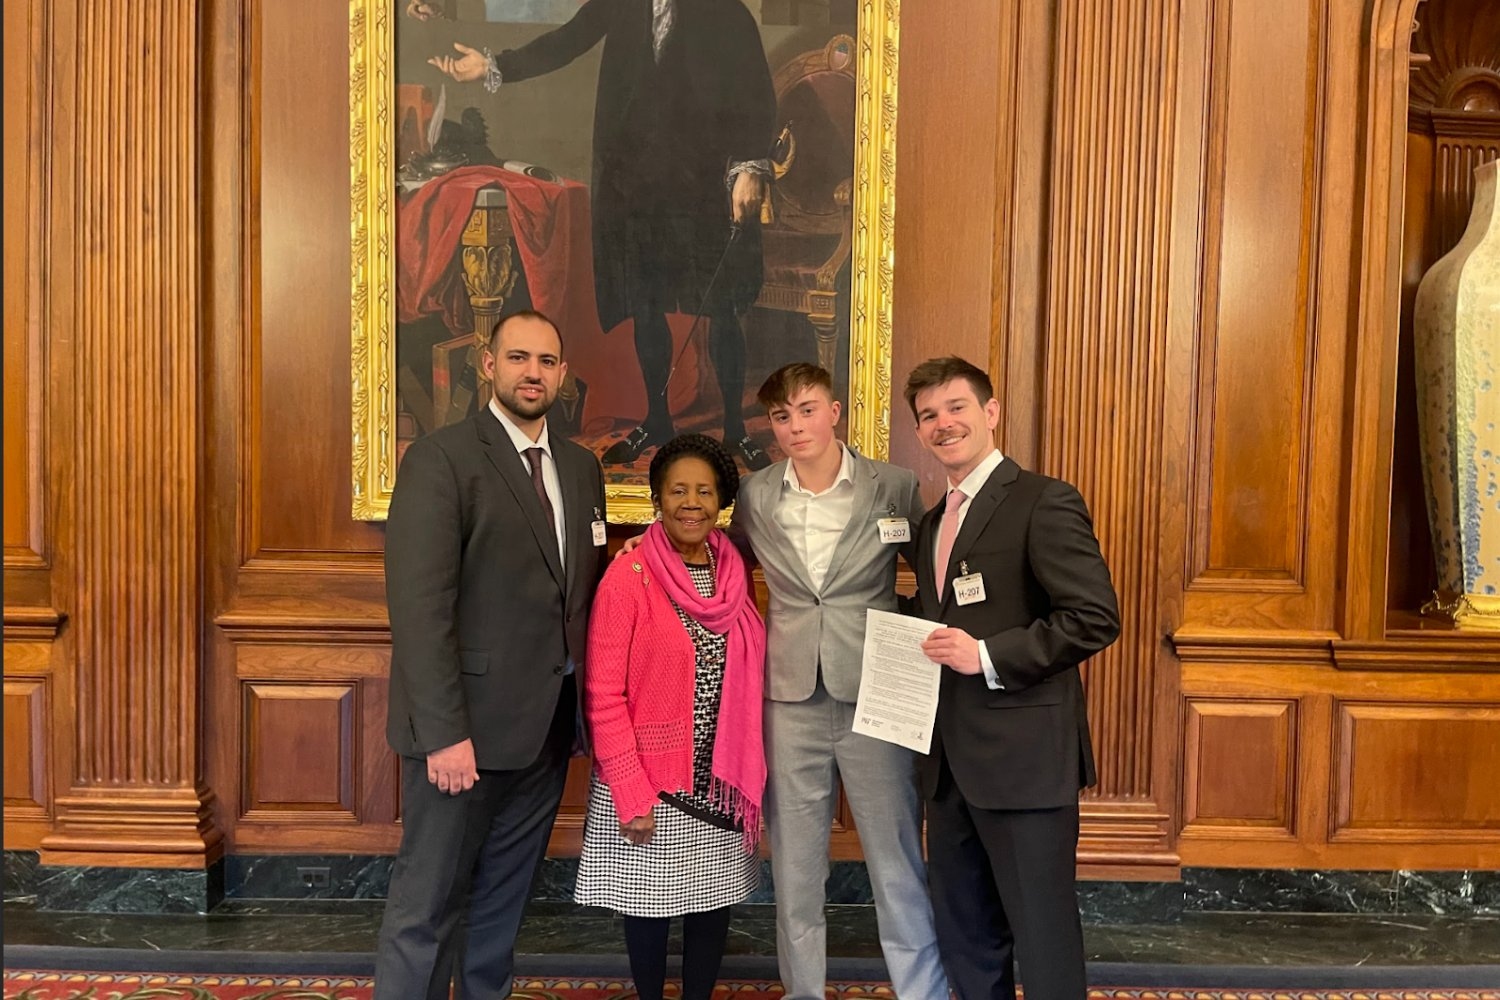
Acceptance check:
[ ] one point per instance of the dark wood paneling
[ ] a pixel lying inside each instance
(946, 147)
(1238, 764)
(1257, 314)
(1423, 770)
(298, 463)
(300, 750)
(26, 793)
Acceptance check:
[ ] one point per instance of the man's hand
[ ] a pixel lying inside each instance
(953, 648)
(452, 768)
(465, 68)
(640, 829)
(630, 544)
(749, 190)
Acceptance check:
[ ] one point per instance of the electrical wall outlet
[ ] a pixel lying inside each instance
(313, 878)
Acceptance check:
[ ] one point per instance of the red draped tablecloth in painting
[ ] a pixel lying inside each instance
(551, 224)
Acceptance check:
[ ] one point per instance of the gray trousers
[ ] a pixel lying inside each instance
(809, 747)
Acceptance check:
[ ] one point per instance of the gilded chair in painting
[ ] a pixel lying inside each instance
(808, 226)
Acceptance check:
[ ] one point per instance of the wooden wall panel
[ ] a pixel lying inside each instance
(1423, 770)
(1239, 765)
(26, 755)
(1257, 314)
(301, 747)
(298, 462)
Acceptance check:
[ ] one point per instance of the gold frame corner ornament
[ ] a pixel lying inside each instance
(373, 260)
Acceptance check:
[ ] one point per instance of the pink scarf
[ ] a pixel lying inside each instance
(739, 767)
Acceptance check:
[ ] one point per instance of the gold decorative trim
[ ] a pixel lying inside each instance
(1478, 612)
(372, 253)
(372, 259)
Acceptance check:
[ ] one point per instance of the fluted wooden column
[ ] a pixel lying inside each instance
(128, 216)
(1104, 373)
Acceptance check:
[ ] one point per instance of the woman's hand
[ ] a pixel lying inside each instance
(640, 829)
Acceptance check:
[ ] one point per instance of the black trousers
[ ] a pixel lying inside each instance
(1003, 889)
(464, 872)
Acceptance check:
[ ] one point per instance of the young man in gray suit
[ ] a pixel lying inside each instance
(826, 526)
(494, 546)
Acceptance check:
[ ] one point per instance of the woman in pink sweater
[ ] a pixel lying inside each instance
(672, 696)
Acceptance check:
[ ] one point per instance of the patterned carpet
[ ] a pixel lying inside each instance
(42, 985)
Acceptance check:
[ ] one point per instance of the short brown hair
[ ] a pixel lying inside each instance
(940, 371)
(523, 314)
(788, 380)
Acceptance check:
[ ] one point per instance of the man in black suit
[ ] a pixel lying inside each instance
(494, 546)
(1009, 563)
(684, 117)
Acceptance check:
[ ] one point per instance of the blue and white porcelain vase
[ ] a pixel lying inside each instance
(1457, 327)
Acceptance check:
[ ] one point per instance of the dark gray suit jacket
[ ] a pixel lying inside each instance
(483, 615)
(1049, 604)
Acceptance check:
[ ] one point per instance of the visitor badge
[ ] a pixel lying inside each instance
(894, 530)
(969, 588)
(599, 536)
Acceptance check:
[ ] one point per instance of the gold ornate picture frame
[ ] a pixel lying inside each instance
(373, 241)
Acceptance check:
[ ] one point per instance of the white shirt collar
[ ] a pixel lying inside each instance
(518, 437)
(846, 473)
(974, 481)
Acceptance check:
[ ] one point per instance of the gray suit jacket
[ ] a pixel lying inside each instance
(808, 626)
(484, 617)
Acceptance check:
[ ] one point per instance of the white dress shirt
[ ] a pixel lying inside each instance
(550, 481)
(814, 521)
(972, 484)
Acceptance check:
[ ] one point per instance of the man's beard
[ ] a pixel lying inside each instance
(526, 408)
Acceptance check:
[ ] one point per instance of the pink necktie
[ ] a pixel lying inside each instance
(946, 533)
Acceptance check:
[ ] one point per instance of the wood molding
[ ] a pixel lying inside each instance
(1112, 142)
(128, 284)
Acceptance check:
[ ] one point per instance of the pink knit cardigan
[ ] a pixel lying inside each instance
(638, 690)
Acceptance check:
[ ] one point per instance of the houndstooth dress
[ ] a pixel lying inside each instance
(695, 861)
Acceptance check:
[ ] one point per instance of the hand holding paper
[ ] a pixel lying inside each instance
(953, 647)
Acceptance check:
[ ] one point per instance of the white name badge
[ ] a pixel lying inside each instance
(894, 530)
(968, 589)
(599, 536)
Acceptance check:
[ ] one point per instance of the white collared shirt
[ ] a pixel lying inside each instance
(550, 482)
(814, 521)
(972, 484)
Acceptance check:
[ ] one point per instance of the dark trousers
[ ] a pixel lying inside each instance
(464, 871)
(1003, 890)
(726, 349)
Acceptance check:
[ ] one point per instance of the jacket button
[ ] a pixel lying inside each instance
(817, 600)
(557, 669)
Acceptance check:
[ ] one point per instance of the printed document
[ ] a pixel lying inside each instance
(898, 691)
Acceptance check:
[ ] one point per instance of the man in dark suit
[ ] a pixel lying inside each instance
(494, 546)
(1009, 563)
(684, 117)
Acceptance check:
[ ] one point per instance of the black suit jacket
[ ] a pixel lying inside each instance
(1049, 605)
(664, 133)
(483, 615)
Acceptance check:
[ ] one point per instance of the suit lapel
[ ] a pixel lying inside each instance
(864, 475)
(512, 468)
(927, 552)
(981, 509)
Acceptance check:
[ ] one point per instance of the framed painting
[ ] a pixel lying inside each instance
(696, 191)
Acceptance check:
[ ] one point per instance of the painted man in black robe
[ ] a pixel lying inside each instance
(683, 122)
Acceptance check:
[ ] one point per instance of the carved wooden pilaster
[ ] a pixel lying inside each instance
(1103, 373)
(131, 267)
